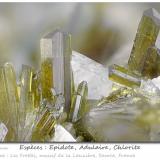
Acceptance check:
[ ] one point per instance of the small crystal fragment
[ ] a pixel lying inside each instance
(3, 131)
(62, 135)
(79, 102)
(123, 76)
(118, 94)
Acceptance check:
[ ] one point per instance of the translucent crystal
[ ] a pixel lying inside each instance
(95, 74)
(55, 65)
(3, 131)
(123, 76)
(118, 94)
(146, 37)
(79, 102)
(62, 135)
(26, 102)
(149, 90)
(44, 128)
(9, 101)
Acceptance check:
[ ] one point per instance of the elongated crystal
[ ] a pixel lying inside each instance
(114, 96)
(146, 37)
(26, 95)
(44, 128)
(79, 102)
(12, 96)
(36, 89)
(123, 76)
(26, 103)
(55, 68)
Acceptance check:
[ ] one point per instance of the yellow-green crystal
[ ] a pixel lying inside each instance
(150, 65)
(44, 127)
(36, 89)
(123, 76)
(146, 37)
(9, 99)
(114, 96)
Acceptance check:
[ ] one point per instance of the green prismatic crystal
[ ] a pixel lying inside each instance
(55, 68)
(9, 101)
(123, 76)
(46, 68)
(146, 37)
(79, 102)
(44, 128)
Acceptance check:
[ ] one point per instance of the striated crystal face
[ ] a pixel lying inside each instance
(72, 98)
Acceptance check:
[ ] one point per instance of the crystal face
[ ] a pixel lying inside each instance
(72, 98)
(56, 54)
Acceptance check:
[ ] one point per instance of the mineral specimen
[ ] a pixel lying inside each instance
(71, 98)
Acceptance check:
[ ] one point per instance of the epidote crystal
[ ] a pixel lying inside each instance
(146, 36)
(55, 65)
(79, 102)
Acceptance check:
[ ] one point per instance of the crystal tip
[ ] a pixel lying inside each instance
(153, 14)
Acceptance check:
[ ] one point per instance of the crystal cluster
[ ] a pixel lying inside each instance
(62, 101)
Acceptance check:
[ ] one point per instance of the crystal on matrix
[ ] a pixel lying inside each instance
(113, 122)
(146, 36)
(55, 65)
(54, 104)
